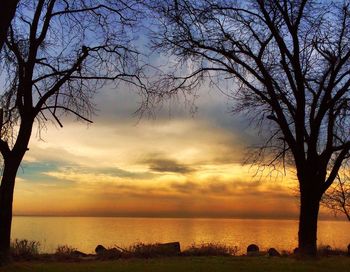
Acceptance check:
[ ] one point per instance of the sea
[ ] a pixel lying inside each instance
(85, 233)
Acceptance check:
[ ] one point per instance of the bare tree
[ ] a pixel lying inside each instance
(57, 54)
(287, 64)
(337, 198)
(7, 12)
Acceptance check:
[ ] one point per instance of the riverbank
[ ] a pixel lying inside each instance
(188, 264)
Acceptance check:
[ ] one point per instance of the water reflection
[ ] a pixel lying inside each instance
(85, 233)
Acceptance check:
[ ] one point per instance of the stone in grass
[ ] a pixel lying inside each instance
(252, 250)
(107, 253)
(296, 251)
(170, 249)
(100, 249)
(327, 250)
(272, 252)
(111, 253)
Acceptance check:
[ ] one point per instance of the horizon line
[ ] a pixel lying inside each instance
(178, 217)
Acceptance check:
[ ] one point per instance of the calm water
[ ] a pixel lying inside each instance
(85, 233)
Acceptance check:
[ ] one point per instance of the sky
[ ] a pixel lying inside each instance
(177, 164)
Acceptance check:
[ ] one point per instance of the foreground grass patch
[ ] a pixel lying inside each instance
(195, 264)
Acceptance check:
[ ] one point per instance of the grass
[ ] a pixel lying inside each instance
(142, 250)
(188, 264)
(24, 249)
(64, 250)
(150, 257)
(210, 249)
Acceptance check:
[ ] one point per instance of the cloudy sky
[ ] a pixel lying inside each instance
(177, 164)
(174, 165)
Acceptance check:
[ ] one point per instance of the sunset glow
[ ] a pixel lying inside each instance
(176, 165)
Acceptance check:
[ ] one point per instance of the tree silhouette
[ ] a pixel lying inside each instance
(337, 198)
(287, 65)
(7, 12)
(57, 54)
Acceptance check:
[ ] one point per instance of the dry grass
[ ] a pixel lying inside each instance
(210, 249)
(64, 252)
(326, 250)
(142, 250)
(24, 249)
(29, 250)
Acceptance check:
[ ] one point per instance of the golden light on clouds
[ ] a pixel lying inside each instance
(178, 166)
(167, 168)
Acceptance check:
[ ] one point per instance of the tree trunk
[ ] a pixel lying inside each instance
(6, 199)
(309, 207)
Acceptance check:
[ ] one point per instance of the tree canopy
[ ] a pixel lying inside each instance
(287, 62)
(56, 56)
